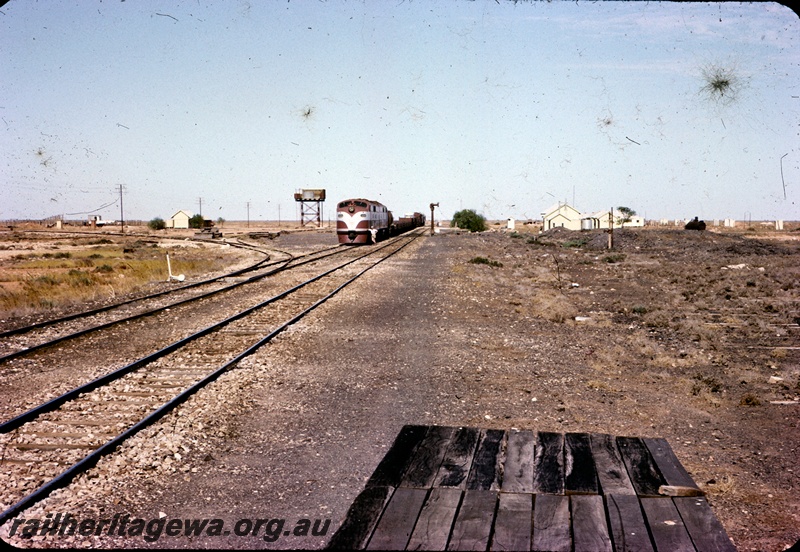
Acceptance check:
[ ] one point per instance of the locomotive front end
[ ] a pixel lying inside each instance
(353, 222)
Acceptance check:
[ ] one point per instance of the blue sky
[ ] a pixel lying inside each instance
(502, 107)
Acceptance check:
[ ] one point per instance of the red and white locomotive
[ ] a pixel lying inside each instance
(362, 221)
(367, 221)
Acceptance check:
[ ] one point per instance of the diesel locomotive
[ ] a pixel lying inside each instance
(363, 221)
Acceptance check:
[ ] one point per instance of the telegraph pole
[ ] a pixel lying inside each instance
(121, 215)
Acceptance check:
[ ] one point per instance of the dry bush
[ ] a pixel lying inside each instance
(657, 319)
(695, 329)
(553, 306)
(724, 484)
(611, 358)
(779, 353)
(544, 274)
(749, 399)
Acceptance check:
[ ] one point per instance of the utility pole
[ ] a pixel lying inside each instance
(432, 206)
(121, 216)
(200, 201)
(248, 214)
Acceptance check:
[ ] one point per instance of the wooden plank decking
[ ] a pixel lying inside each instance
(448, 488)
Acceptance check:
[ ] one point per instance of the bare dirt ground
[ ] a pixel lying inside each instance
(690, 336)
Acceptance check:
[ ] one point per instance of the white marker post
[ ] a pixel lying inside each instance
(179, 277)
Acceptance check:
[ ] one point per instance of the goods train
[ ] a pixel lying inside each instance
(360, 221)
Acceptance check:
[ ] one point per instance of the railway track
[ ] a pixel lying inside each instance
(22, 341)
(29, 380)
(69, 434)
(26, 329)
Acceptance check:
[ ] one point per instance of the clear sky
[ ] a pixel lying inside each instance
(499, 106)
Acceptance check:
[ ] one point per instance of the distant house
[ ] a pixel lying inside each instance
(561, 215)
(179, 220)
(600, 219)
(565, 216)
(636, 221)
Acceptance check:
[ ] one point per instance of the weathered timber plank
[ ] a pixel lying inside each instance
(580, 475)
(666, 526)
(589, 528)
(611, 472)
(518, 469)
(361, 519)
(705, 529)
(435, 520)
(486, 467)
(513, 525)
(551, 523)
(428, 457)
(473, 525)
(668, 464)
(671, 490)
(457, 460)
(548, 463)
(391, 468)
(51, 446)
(628, 528)
(397, 522)
(642, 469)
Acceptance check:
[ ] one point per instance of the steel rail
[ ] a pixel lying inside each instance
(79, 333)
(91, 459)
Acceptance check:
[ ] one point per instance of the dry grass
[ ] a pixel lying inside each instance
(597, 385)
(725, 484)
(36, 281)
(552, 306)
(610, 359)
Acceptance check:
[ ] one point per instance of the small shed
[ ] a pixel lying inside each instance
(180, 219)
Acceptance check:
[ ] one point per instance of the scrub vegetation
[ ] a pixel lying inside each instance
(76, 271)
(468, 219)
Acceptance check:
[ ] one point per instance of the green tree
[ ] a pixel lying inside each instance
(220, 222)
(468, 219)
(197, 221)
(627, 214)
(157, 224)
